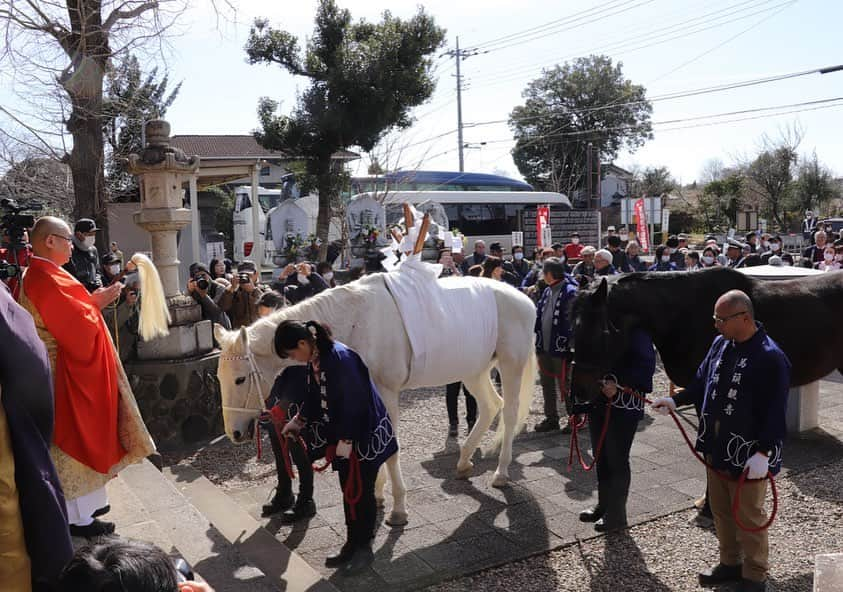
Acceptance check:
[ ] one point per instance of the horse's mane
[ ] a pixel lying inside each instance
(333, 308)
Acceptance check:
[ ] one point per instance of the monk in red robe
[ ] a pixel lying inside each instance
(98, 428)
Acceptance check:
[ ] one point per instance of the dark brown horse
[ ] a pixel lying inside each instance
(804, 316)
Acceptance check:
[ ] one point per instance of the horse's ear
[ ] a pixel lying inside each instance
(601, 292)
(243, 338)
(219, 333)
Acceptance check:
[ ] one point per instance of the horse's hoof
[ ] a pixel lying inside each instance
(397, 519)
(380, 502)
(465, 472)
(500, 480)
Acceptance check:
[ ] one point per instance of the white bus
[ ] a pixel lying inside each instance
(491, 216)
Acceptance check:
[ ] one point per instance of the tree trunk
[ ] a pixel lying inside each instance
(325, 187)
(87, 158)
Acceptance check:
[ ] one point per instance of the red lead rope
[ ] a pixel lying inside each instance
(277, 416)
(353, 490)
(576, 424)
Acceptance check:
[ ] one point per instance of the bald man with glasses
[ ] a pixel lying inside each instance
(740, 390)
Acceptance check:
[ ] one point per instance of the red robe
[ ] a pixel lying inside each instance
(86, 392)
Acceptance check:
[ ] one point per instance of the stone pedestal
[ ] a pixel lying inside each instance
(174, 377)
(178, 398)
(828, 573)
(803, 407)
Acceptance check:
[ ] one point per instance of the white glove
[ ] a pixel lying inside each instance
(664, 405)
(293, 427)
(757, 465)
(343, 449)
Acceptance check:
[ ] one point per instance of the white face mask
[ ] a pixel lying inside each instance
(575, 240)
(775, 246)
(518, 256)
(765, 244)
(89, 241)
(708, 259)
(113, 269)
(302, 278)
(328, 275)
(828, 256)
(665, 258)
(562, 259)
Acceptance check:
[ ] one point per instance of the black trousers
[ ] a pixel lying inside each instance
(452, 394)
(302, 462)
(613, 472)
(360, 531)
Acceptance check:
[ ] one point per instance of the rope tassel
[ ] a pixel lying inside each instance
(154, 315)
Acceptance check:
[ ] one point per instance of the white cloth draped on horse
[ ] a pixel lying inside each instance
(445, 336)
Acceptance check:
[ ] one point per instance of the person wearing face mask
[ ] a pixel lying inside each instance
(84, 263)
(325, 270)
(774, 249)
(663, 262)
(828, 263)
(633, 258)
(575, 247)
(709, 258)
(533, 284)
(240, 300)
(519, 267)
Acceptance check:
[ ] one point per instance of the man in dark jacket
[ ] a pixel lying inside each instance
(619, 261)
(26, 392)
(84, 262)
(208, 293)
(240, 300)
(302, 284)
(552, 334)
(476, 258)
(741, 387)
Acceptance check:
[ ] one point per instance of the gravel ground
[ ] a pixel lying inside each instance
(667, 553)
(423, 432)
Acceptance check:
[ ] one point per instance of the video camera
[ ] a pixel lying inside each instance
(14, 223)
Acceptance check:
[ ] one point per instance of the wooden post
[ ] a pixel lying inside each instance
(409, 221)
(417, 248)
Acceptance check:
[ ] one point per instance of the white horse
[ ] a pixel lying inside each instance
(364, 316)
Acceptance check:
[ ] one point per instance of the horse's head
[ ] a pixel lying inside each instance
(598, 341)
(245, 380)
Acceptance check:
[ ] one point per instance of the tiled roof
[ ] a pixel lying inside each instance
(234, 146)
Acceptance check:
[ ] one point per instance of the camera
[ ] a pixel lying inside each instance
(14, 223)
(9, 270)
(201, 281)
(244, 278)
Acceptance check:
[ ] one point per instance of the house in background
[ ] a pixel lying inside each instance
(615, 184)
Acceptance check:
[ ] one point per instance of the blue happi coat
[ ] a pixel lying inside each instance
(743, 389)
(289, 392)
(349, 403)
(561, 328)
(634, 370)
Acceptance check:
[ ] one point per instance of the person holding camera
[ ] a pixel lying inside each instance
(208, 293)
(301, 282)
(84, 263)
(240, 300)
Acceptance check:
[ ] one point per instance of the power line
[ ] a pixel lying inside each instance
(662, 35)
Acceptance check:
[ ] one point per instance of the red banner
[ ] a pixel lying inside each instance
(542, 220)
(641, 232)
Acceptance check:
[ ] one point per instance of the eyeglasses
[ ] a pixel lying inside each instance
(67, 238)
(721, 320)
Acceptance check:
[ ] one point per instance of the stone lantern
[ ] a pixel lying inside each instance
(174, 377)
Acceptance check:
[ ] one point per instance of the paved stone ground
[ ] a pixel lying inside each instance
(461, 527)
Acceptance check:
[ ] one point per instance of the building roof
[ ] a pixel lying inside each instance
(227, 147)
(615, 169)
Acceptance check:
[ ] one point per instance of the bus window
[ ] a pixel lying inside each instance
(242, 202)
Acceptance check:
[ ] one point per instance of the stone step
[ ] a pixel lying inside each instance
(145, 505)
(260, 548)
(828, 573)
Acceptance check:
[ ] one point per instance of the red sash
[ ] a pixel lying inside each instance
(86, 392)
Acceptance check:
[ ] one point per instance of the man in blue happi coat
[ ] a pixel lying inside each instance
(553, 331)
(742, 386)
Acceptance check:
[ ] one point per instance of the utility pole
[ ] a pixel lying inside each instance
(459, 55)
(459, 107)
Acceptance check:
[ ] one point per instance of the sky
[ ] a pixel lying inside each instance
(666, 45)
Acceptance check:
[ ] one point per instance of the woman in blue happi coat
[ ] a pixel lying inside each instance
(355, 423)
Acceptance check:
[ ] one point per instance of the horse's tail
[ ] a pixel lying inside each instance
(525, 399)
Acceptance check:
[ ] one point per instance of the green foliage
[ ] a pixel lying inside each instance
(721, 200)
(771, 180)
(815, 187)
(588, 100)
(365, 78)
(132, 98)
(224, 222)
(654, 181)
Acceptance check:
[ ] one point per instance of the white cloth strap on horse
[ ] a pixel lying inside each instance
(463, 311)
